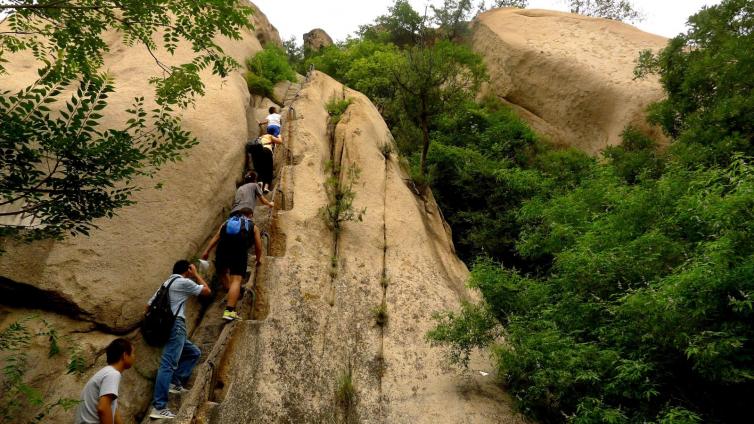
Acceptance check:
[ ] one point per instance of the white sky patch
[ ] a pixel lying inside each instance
(341, 18)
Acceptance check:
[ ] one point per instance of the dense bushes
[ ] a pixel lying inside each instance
(267, 68)
(639, 308)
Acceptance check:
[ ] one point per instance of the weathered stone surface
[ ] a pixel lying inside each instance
(264, 31)
(317, 39)
(570, 76)
(107, 277)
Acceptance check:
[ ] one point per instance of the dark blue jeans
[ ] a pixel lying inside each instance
(179, 356)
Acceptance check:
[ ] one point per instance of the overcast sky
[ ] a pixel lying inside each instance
(342, 17)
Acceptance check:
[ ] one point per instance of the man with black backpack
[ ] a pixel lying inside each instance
(179, 355)
(233, 240)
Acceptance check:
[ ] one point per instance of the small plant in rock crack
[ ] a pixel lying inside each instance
(384, 281)
(336, 108)
(345, 392)
(333, 266)
(340, 195)
(380, 315)
(18, 397)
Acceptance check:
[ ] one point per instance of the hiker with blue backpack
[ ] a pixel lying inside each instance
(233, 240)
(165, 324)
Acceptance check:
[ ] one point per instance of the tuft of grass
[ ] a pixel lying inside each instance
(380, 315)
(345, 392)
(336, 108)
(341, 195)
(385, 281)
(333, 266)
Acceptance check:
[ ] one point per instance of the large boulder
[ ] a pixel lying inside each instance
(316, 40)
(265, 32)
(91, 289)
(570, 76)
(107, 277)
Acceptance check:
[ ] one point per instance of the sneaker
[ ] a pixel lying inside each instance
(161, 414)
(231, 315)
(177, 389)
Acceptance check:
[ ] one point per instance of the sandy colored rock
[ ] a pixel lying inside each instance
(264, 31)
(106, 278)
(316, 40)
(569, 76)
(320, 324)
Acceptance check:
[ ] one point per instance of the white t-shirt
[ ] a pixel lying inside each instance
(104, 382)
(274, 119)
(180, 291)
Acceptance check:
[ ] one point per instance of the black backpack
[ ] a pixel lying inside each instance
(159, 320)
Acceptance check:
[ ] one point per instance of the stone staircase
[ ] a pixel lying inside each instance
(215, 336)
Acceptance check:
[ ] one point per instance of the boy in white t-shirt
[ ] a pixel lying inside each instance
(99, 398)
(274, 123)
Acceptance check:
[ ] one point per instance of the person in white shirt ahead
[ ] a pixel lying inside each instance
(99, 398)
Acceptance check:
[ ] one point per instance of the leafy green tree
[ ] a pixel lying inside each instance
(521, 4)
(432, 79)
(61, 171)
(619, 10)
(452, 17)
(402, 26)
(267, 68)
(707, 75)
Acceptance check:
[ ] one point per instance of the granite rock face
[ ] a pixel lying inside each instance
(569, 76)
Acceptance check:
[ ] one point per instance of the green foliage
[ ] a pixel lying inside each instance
(434, 79)
(258, 85)
(61, 169)
(619, 10)
(61, 176)
(345, 391)
(18, 397)
(707, 75)
(339, 188)
(636, 158)
(380, 315)
(632, 297)
(402, 26)
(473, 327)
(267, 68)
(336, 108)
(295, 53)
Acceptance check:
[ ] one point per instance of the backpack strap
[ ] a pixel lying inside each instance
(179, 306)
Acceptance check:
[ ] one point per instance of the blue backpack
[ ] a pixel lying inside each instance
(236, 224)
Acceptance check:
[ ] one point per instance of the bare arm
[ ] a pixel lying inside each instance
(118, 418)
(105, 410)
(212, 244)
(277, 140)
(266, 202)
(206, 291)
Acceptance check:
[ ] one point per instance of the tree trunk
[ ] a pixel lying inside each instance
(425, 147)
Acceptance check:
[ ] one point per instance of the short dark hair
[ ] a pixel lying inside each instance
(181, 267)
(273, 109)
(116, 349)
(251, 177)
